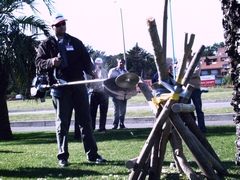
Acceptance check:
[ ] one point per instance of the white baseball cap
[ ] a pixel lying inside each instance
(98, 61)
(58, 18)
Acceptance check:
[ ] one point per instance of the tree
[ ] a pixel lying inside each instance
(212, 50)
(231, 25)
(140, 62)
(17, 51)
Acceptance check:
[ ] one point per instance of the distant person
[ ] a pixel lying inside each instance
(119, 106)
(98, 97)
(73, 60)
(196, 96)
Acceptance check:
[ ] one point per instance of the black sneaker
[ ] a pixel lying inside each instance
(63, 162)
(114, 127)
(122, 126)
(97, 160)
(102, 130)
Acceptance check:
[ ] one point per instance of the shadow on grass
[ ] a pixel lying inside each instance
(123, 134)
(221, 130)
(50, 137)
(34, 138)
(119, 134)
(73, 170)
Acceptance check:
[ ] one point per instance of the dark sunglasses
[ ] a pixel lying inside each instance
(60, 24)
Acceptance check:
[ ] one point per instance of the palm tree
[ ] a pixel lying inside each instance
(231, 25)
(17, 52)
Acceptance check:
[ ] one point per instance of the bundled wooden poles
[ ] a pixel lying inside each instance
(176, 127)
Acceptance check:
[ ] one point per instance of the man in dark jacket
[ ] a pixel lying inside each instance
(64, 58)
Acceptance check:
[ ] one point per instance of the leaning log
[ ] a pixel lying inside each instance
(147, 94)
(176, 144)
(151, 139)
(162, 147)
(158, 50)
(187, 49)
(193, 146)
(164, 37)
(187, 118)
(161, 119)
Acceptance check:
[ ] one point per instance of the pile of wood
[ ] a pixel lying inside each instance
(173, 122)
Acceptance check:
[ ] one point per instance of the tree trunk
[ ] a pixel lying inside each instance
(231, 26)
(5, 129)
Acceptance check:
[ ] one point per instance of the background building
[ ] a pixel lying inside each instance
(217, 65)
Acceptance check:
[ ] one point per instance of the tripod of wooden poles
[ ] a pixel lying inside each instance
(173, 122)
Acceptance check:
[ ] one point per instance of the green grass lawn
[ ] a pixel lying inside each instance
(32, 155)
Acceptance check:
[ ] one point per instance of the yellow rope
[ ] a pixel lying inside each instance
(164, 97)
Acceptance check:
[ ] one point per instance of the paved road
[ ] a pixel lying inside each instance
(210, 120)
(148, 123)
(205, 105)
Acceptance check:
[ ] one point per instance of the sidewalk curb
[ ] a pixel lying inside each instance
(217, 118)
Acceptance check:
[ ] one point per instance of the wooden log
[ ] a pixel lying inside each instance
(131, 163)
(193, 146)
(192, 66)
(188, 120)
(187, 47)
(164, 37)
(162, 118)
(153, 170)
(176, 144)
(163, 146)
(144, 171)
(158, 50)
(181, 107)
(147, 94)
(151, 139)
(192, 126)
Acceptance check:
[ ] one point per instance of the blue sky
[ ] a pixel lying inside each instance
(98, 23)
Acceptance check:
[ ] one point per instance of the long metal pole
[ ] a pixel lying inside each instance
(173, 50)
(124, 49)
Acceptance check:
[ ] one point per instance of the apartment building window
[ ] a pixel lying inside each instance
(225, 66)
(204, 73)
(224, 59)
(214, 72)
(210, 61)
(214, 61)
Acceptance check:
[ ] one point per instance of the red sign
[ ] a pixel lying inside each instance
(208, 81)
